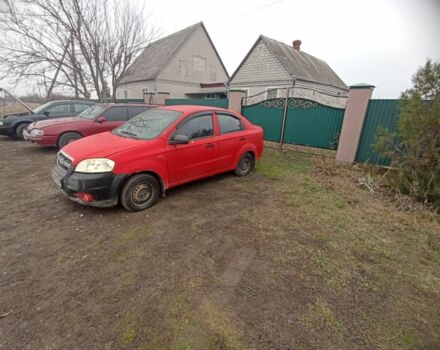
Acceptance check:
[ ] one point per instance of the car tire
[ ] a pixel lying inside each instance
(140, 192)
(20, 129)
(67, 138)
(245, 165)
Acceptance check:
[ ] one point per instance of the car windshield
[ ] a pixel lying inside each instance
(92, 112)
(42, 107)
(147, 125)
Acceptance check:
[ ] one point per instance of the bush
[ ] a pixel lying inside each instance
(414, 147)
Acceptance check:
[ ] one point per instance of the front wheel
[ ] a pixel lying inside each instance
(140, 192)
(67, 138)
(245, 165)
(20, 129)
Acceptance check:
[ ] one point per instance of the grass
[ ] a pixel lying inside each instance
(357, 240)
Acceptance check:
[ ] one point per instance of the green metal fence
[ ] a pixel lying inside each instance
(308, 123)
(212, 102)
(380, 114)
(267, 114)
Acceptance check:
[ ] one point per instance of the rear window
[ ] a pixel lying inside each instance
(133, 111)
(79, 108)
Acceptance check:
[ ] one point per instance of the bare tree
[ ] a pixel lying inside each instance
(78, 45)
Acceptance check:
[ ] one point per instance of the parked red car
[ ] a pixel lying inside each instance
(99, 118)
(159, 149)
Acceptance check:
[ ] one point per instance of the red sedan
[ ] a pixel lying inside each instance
(159, 149)
(61, 131)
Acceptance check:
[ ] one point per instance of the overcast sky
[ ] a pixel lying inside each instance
(381, 42)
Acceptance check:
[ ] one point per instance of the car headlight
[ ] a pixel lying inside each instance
(1, 123)
(96, 165)
(37, 132)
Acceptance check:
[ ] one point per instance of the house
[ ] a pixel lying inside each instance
(185, 64)
(271, 65)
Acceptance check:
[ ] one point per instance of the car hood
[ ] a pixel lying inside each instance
(15, 115)
(100, 146)
(56, 121)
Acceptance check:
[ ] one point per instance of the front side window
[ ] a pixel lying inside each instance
(228, 123)
(148, 125)
(197, 127)
(92, 112)
(114, 114)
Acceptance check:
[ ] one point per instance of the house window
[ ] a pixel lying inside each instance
(145, 90)
(125, 94)
(271, 93)
(199, 64)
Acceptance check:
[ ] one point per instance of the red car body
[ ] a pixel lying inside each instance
(54, 128)
(169, 163)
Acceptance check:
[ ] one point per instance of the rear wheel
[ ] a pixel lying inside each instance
(20, 129)
(140, 192)
(245, 165)
(67, 138)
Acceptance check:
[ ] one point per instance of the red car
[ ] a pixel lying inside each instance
(61, 131)
(159, 149)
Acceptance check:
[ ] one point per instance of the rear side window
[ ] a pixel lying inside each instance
(79, 108)
(114, 114)
(133, 111)
(61, 108)
(228, 123)
(197, 127)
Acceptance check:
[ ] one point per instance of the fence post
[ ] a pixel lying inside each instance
(354, 116)
(235, 97)
(283, 123)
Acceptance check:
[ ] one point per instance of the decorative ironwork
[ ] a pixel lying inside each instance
(292, 103)
(300, 103)
(275, 103)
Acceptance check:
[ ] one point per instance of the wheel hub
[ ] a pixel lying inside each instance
(141, 193)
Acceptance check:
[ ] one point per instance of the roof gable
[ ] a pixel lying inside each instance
(298, 64)
(156, 56)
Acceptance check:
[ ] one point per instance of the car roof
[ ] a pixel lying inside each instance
(74, 101)
(110, 104)
(193, 108)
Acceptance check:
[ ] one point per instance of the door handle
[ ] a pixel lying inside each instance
(209, 145)
(242, 138)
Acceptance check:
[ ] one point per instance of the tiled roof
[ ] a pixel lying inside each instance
(302, 65)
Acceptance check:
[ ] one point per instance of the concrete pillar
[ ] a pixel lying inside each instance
(235, 97)
(355, 111)
(148, 97)
(160, 97)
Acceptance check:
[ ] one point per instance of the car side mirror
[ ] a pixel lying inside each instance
(100, 119)
(179, 140)
(46, 113)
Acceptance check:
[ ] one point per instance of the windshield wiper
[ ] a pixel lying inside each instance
(127, 133)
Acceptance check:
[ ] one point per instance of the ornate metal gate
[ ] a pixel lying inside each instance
(308, 118)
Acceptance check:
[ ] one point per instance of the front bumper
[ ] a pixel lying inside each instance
(104, 187)
(45, 140)
(6, 130)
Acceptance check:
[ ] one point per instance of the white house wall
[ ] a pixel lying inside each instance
(260, 70)
(187, 67)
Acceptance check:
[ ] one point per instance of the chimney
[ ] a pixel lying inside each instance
(297, 44)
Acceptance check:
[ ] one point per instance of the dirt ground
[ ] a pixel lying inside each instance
(294, 256)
